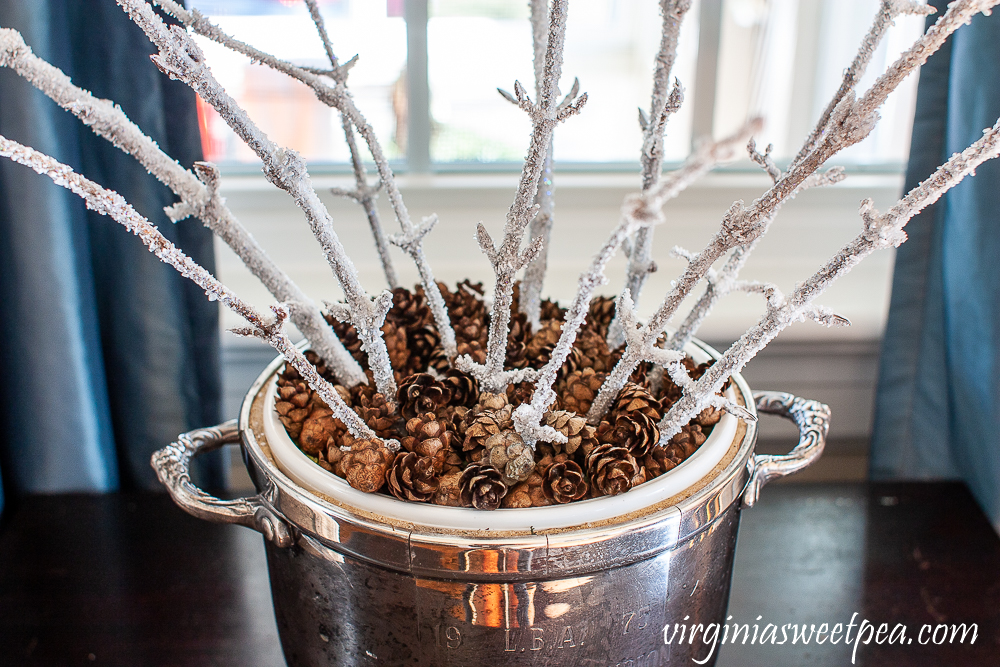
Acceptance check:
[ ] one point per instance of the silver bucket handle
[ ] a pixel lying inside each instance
(813, 420)
(172, 465)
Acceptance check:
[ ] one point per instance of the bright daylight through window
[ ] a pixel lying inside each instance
(777, 58)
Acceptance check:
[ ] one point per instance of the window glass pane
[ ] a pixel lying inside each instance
(476, 47)
(286, 109)
(784, 59)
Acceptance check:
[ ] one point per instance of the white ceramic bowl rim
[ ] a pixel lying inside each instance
(306, 473)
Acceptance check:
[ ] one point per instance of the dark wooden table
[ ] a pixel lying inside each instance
(131, 580)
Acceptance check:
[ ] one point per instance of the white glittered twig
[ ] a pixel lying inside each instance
(880, 231)
(180, 58)
(198, 193)
(114, 206)
(338, 97)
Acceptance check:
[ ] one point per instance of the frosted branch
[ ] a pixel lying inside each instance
(705, 158)
(198, 194)
(764, 160)
(180, 58)
(880, 230)
(338, 97)
(544, 116)
(114, 206)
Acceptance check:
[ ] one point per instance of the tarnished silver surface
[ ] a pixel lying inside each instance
(173, 463)
(351, 588)
(813, 420)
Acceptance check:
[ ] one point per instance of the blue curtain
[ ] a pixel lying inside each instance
(938, 403)
(106, 354)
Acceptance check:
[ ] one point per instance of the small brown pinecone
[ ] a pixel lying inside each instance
(427, 436)
(465, 301)
(348, 335)
(507, 452)
(600, 314)
(591, 351)
(658, 461)
(528, 493)
(580, 389)
(321, 430)
(449, 491)
(464, 388)
(421, 393)
(380, 416)
(330, 460)
(564, 482)
(482, 487)
(541, 344)
(635, 398)
(422, 343)
(573, 426)
(395, 343)
(550, 310)
(687, 442)
(632, 430)
(412, 477)
(492, 401)
(612, 470)
(409, 309)
(366, 464)
(709, 417)
(516, 355)
(363, 389)
(520, 393)
(293, 404)
(484, 425)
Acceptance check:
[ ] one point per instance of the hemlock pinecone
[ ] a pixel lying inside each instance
(465, 301)
(409, 309)
(293, 404)
(658, 461)
(482, 487)
(363, 389)
(330, 460)
(580, 389)
(485, 424)
(489, 401)
(507, 452)
(564, 482)
(590, 350)
(709, 417)
(320, 431)
(348, 335)
(573, 426)
(687, 442)
(421, 393)
(412, 477)
(395, 343)
(380, 416)
(634, 431)
(550, 310)
(464, 388)
(422, 343)
(635, 398)
(520, 393)
(427, 436)
(366, 464)
(468, 329)
(541, 344)
(528, 493)
(449, 492)
(600, 314)
(612, 470)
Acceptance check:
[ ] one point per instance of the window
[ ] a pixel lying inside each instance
(778, 58)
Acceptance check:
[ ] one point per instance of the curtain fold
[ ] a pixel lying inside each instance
(938, 399)
(107, 354)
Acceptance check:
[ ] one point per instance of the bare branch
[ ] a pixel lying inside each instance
(880, 231)
(336, 96)
(198, 195)
(765, 160)
(115, 207)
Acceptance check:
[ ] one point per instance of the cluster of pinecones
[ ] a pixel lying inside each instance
(459, 446)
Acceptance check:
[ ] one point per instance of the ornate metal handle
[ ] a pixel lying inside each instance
(813, 420)
(172, 465)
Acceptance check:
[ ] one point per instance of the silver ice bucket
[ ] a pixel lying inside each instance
(352, 587)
